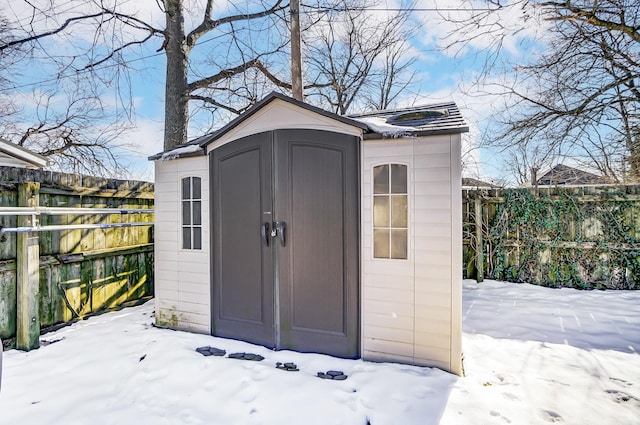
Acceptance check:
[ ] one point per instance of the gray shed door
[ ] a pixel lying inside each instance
(285, 241)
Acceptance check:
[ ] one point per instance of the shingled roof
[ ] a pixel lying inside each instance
(440, 118)
(437, 118)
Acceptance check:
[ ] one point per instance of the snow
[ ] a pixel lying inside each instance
(175, 153)
(380, 125)
(533, 355)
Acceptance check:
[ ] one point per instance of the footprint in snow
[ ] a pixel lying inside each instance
(510, 396)
(622, 397)
(622, 382)
(498, 415)
(551, 416)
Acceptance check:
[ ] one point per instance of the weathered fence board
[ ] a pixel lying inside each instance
(81, 271)
(585, 237)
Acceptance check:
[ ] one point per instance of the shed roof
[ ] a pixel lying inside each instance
(424, 120)
(442, 118)
(17, 156)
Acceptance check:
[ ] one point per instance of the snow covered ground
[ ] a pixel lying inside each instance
(532, 356)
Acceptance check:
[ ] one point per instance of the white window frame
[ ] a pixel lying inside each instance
(191, 214)
(390, 226)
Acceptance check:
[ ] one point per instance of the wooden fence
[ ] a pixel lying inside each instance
(583, 237)
(81, 271)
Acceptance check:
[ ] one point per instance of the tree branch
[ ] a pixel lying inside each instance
(116, 50)
(590, 17)
(48, 33)
(212, 101)
(208, 24)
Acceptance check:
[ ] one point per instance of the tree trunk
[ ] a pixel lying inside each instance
(176, 105)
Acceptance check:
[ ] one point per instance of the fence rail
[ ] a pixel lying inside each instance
(34, 212)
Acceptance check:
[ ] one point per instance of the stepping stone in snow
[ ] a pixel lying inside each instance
(336, 375)
(290, 367)
(210, 351)
(246, 356)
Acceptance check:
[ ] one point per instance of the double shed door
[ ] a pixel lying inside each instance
(285, 241)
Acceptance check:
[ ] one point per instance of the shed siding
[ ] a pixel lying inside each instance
(409, 307)
(182, 276)
(388, 300)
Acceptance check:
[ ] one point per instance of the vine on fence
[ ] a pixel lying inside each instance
(564, 240)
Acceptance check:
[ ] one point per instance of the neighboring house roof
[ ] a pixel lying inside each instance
(564, 175)
(441, 118)
(13, 155)
(469, 182)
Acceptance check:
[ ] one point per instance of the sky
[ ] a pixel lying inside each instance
(442, 72)
(532, 355)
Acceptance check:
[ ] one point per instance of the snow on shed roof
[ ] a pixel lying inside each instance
(438, 118)
(442, 118)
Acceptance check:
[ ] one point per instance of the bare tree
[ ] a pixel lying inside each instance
(357, 58)
(65, 118)
(218, 63)
(395, 76)
(113, 35)
(7, 59)
(69, 128)
(240, 56)
(577, 97)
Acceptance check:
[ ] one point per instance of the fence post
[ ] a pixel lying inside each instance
(478, 249)
(27, 273)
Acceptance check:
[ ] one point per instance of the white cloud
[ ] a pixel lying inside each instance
(144, 140)
(504, 28)
(478, 104)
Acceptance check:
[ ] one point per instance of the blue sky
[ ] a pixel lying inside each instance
(440, 74)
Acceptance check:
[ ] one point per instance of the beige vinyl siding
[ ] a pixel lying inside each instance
(456, 254)
(410, 307)
(183, 294)
(388, 315)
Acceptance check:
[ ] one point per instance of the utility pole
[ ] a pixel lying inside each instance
(296, 54)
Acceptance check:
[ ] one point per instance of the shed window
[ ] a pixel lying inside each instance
(390, 211)
(191, 213)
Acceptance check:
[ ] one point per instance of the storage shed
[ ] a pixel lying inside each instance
(296, 228)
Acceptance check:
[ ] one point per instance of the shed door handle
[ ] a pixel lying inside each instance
(265, 233)
(281, 226)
